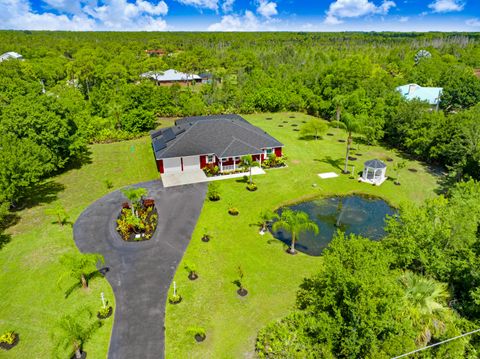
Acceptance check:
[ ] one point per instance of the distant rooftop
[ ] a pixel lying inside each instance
(170, 76)
(11, 55)
(415, 92)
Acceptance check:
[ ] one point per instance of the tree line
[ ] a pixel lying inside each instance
(78, 88)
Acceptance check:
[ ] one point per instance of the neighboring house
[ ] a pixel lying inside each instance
(415, 92)
(170, 77)
(10, 55)
(156, 52)
(207, 78)
(219, 140)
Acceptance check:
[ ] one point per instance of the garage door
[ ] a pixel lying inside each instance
(172, 165)
(191, 163)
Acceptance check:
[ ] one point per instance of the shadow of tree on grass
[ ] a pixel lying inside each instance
(337, 163)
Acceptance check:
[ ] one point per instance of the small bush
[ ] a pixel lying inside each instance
(252, 187)
(213, 193)
(233, 211)
(104, 312)
(174, 299)
(192, 270)
(8, 337)
(108, 184)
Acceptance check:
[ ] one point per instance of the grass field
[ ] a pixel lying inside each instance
(31, 300)
(271, 276)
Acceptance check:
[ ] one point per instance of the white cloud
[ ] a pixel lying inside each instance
(204, 4)
(227, 5)
(473, 22)
(447, 5)
(246, 22)
(107, 15)
(341, 9)
(267, 8)
(404, 19)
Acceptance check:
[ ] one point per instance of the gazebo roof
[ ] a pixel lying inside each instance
(376, 164)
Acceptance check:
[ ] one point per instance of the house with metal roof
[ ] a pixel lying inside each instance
(170, 77)
(218, 140)
(11, 55)
(431, 95)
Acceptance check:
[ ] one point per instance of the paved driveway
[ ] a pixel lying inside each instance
(141, 273)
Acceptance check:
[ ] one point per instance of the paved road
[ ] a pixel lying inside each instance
(141, 273)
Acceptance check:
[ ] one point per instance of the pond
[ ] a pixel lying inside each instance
(353, 214)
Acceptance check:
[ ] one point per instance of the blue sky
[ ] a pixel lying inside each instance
(241, 15)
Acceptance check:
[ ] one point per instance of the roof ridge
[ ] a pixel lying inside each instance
(177, 137)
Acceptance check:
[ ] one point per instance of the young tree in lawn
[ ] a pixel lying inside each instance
(397, 167)
(80, 266)
(295, 222)
(313, 128)
(60, 213)
(350, 124)
(265, 217)
(248, 163)
(134, 195)
(73, 332)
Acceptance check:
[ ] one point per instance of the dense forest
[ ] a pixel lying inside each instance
(73, 89)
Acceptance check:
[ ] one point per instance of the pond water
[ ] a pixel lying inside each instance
(352, 214)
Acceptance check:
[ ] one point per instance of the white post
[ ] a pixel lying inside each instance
(174, 288)
(103, 300)
(234, 163)
(221, 165)
(353, 171)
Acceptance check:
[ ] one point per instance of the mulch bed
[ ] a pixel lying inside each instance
(280, 125)
(193, 276)
(110, 311)
(205, 238)
(294, 125)
(330, 134)
(358, 154)
(296, 129)
(285, 121)
(6, 346)
(389, 159)
(268, 118)
(233, 213)
(242, 292)
(131, 237)
(414, 170)
(342, 141)
(200, 338)
(352, 158)
(291, 116)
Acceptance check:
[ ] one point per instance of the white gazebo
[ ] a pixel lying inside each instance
(374, 172)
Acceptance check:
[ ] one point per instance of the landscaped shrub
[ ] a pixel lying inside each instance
(174, 299)
(206, 236)
(138, 225)
(192, 270)
(198, 333)
(211, 170)
(273, 161)
(233, 211)
(252, 187)
(8, 340)
(104, 312)
(213, 192)
(239, 282)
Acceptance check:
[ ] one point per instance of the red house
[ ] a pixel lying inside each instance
(221, 140)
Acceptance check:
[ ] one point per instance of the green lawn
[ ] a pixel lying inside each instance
(271, 276)
(31, 301)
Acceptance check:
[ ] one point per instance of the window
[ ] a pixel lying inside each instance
(210, 159)
(237, 158)
(269, 151)
(224, 160)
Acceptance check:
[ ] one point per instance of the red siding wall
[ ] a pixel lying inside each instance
(203, 161)
(160, 166)
(278, 151)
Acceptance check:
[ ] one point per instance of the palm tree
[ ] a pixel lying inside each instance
(295, 222)
(427, 305)
(265, 217)
(134, 195)
(74, 333)
(350, 124)
(80, 266)
(248, 163)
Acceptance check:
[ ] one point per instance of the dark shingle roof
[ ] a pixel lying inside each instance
(375, 164)
(222, 135)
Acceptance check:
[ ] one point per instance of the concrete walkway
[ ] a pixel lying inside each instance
(198, 176)
(140, 273)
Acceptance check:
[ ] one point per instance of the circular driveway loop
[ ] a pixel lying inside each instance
(140, 273)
